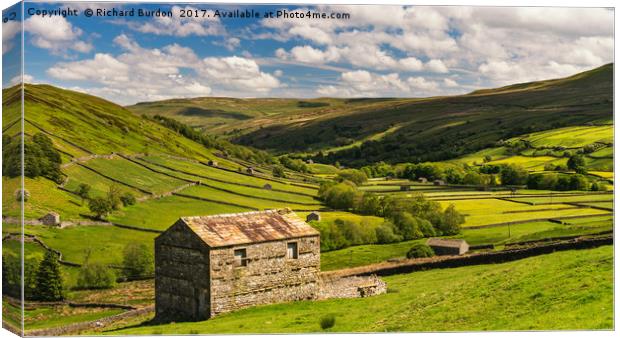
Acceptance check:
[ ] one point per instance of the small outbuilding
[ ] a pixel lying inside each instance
(309, 161)
(448, 247)
(267, 186)
(422, 180)
(439, 182)
(51, 218)
(212, 163)
(249, 170)
(313, 216)
(207, 265)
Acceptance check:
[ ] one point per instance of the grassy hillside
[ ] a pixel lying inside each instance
(360, 131)
(550, 292)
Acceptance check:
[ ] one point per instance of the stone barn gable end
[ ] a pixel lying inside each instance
(208, 265)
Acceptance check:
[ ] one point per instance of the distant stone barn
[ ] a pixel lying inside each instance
(51, 218)
(313, 216)
(447, 247)
(208, 265)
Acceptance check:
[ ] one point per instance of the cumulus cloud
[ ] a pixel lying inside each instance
(18, 79)
(362, 83)
(10, 31)
(143, 74)
(176, 25)
(499, 43)
(56, 34)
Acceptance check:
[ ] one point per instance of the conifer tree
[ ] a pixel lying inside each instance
(49, 279)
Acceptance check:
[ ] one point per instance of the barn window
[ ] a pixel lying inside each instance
(241, 258)
(291, 250)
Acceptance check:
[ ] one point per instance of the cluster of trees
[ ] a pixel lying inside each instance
(553, 181)
(40, 157)
(209, 141)
(294, 164)
(42, 279)
(138, 262)
(102, 206)
(406, 218)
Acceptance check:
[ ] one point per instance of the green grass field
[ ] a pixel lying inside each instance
(491, 211)
(571, 137)
(44, 197)
(562, 199)
(133, 174)
(213, 194)
(99, 185)
(230, 177)
(161, 213)
(559, 291)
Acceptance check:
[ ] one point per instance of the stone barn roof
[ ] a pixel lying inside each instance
(452, 243)
(248, 227)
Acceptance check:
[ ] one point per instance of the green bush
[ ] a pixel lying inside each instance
(327, 321)
(420, 250)
(96, 276)
(128, 199)
(49, 283)
(138, 260)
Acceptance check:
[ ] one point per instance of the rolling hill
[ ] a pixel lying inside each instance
(362, 131)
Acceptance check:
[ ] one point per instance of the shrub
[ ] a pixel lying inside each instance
(83, 190)
(128, 199)
(96, 276)
(420, 250)
(18, 195)
(278, 171)
(386, 234)
(138, 260)
(353, 175)
(327, 321)
(100, 206)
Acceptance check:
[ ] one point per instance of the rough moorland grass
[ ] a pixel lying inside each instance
(560, 291)
(131, 173)
(161, 213)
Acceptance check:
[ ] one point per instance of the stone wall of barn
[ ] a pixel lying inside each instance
(181, 275)
(269, 277)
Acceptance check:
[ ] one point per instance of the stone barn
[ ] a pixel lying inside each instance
(313, 216)
(212, 163)
(422, 180)
(448, 247)
(208, 265)
(439, 182)
(51, 218)
(249, 170)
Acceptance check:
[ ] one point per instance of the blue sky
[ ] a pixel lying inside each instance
(380, 51)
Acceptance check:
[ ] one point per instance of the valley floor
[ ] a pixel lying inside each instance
(570, 290)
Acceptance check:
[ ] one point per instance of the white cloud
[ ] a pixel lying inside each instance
(530, 43)
(362, 83)
(56, 34)
(179, 26)
(238, 73)
(10, 31)
(144, 74)
(18, 79)
(450, 83)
